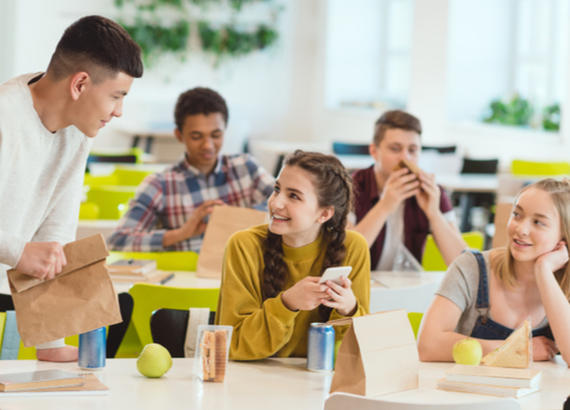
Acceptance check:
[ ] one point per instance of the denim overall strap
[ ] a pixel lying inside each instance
(483, 289)
(485, 327)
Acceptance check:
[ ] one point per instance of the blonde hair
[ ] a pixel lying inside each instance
(502, 260)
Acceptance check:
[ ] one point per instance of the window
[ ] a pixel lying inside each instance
(499, 49)
(368, 45)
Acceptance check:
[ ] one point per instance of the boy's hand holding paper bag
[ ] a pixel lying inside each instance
(79, 299)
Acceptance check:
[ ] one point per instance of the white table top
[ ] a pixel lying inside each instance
(412, 291)
(272, 383)
(468, 182)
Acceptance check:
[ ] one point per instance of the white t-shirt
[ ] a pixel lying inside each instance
(41, 175)
(394, 237)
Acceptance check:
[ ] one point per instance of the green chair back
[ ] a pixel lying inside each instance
(88, 210)
(148, 298)
(92, 181)
(432, 259)
(130, 176)
(539, 168)
(415, 319)
(186, 260)
(111, 200)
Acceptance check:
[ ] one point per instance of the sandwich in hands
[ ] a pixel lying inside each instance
(414, 169)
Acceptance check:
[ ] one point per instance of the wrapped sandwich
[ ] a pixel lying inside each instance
(213, 354)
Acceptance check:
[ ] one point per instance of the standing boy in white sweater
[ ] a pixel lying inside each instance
(46, 120)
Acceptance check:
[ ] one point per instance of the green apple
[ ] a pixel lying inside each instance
(467, 351)
(154, 360)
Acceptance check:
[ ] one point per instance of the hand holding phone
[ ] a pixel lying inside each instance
(334, 274)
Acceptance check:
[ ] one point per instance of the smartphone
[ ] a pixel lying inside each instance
(334, 274)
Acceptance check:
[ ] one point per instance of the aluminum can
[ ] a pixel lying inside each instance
(92, 349)
(320, 349)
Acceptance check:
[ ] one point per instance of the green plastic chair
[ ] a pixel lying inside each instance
(148, 298)
(111, 200)
(130, 176)
(185, 260)
(539, 168)
(88, 211)
(432, 259)
(92, 181)
(415, 319)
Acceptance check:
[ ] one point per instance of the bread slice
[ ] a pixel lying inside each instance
(414, 169)
(221, 356)
(514, 352)
(208, 352)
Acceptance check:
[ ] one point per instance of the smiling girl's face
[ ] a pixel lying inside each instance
(534, 226)
(294, 208)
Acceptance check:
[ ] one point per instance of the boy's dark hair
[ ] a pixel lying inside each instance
(199, 100)
(98, 46)
(395, 119)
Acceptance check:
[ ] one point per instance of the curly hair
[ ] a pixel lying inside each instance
(333, 187)
(199, 100)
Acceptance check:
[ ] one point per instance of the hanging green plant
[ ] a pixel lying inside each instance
(228, 40)
(157, 38)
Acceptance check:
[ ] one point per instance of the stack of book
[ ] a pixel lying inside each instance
(49, 381)
(495, 381)
(505, 371)
(137, 270)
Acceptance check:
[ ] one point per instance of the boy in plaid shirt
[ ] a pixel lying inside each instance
(169, 210)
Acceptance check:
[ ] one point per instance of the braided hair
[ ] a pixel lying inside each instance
(333, 187)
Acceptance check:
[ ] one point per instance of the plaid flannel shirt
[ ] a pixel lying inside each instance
(165, 200)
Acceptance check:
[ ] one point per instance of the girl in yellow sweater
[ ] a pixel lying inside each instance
(270, 283)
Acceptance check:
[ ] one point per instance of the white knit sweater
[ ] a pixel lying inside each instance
(41, 175)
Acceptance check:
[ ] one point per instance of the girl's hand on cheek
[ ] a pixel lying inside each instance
(555, 259)
(543, 348)
(305, 294)
(340, 297)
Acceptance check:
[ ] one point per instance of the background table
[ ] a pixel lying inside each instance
(412, 291)
(271, 383)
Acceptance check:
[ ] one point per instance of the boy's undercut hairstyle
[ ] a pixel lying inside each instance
(98, 46)
(395, 119)
(199, 100)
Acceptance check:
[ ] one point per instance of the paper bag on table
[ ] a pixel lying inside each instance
(79, 299)
(223, 222)
(378, 355)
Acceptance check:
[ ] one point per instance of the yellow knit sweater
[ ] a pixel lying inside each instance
(268, 328)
